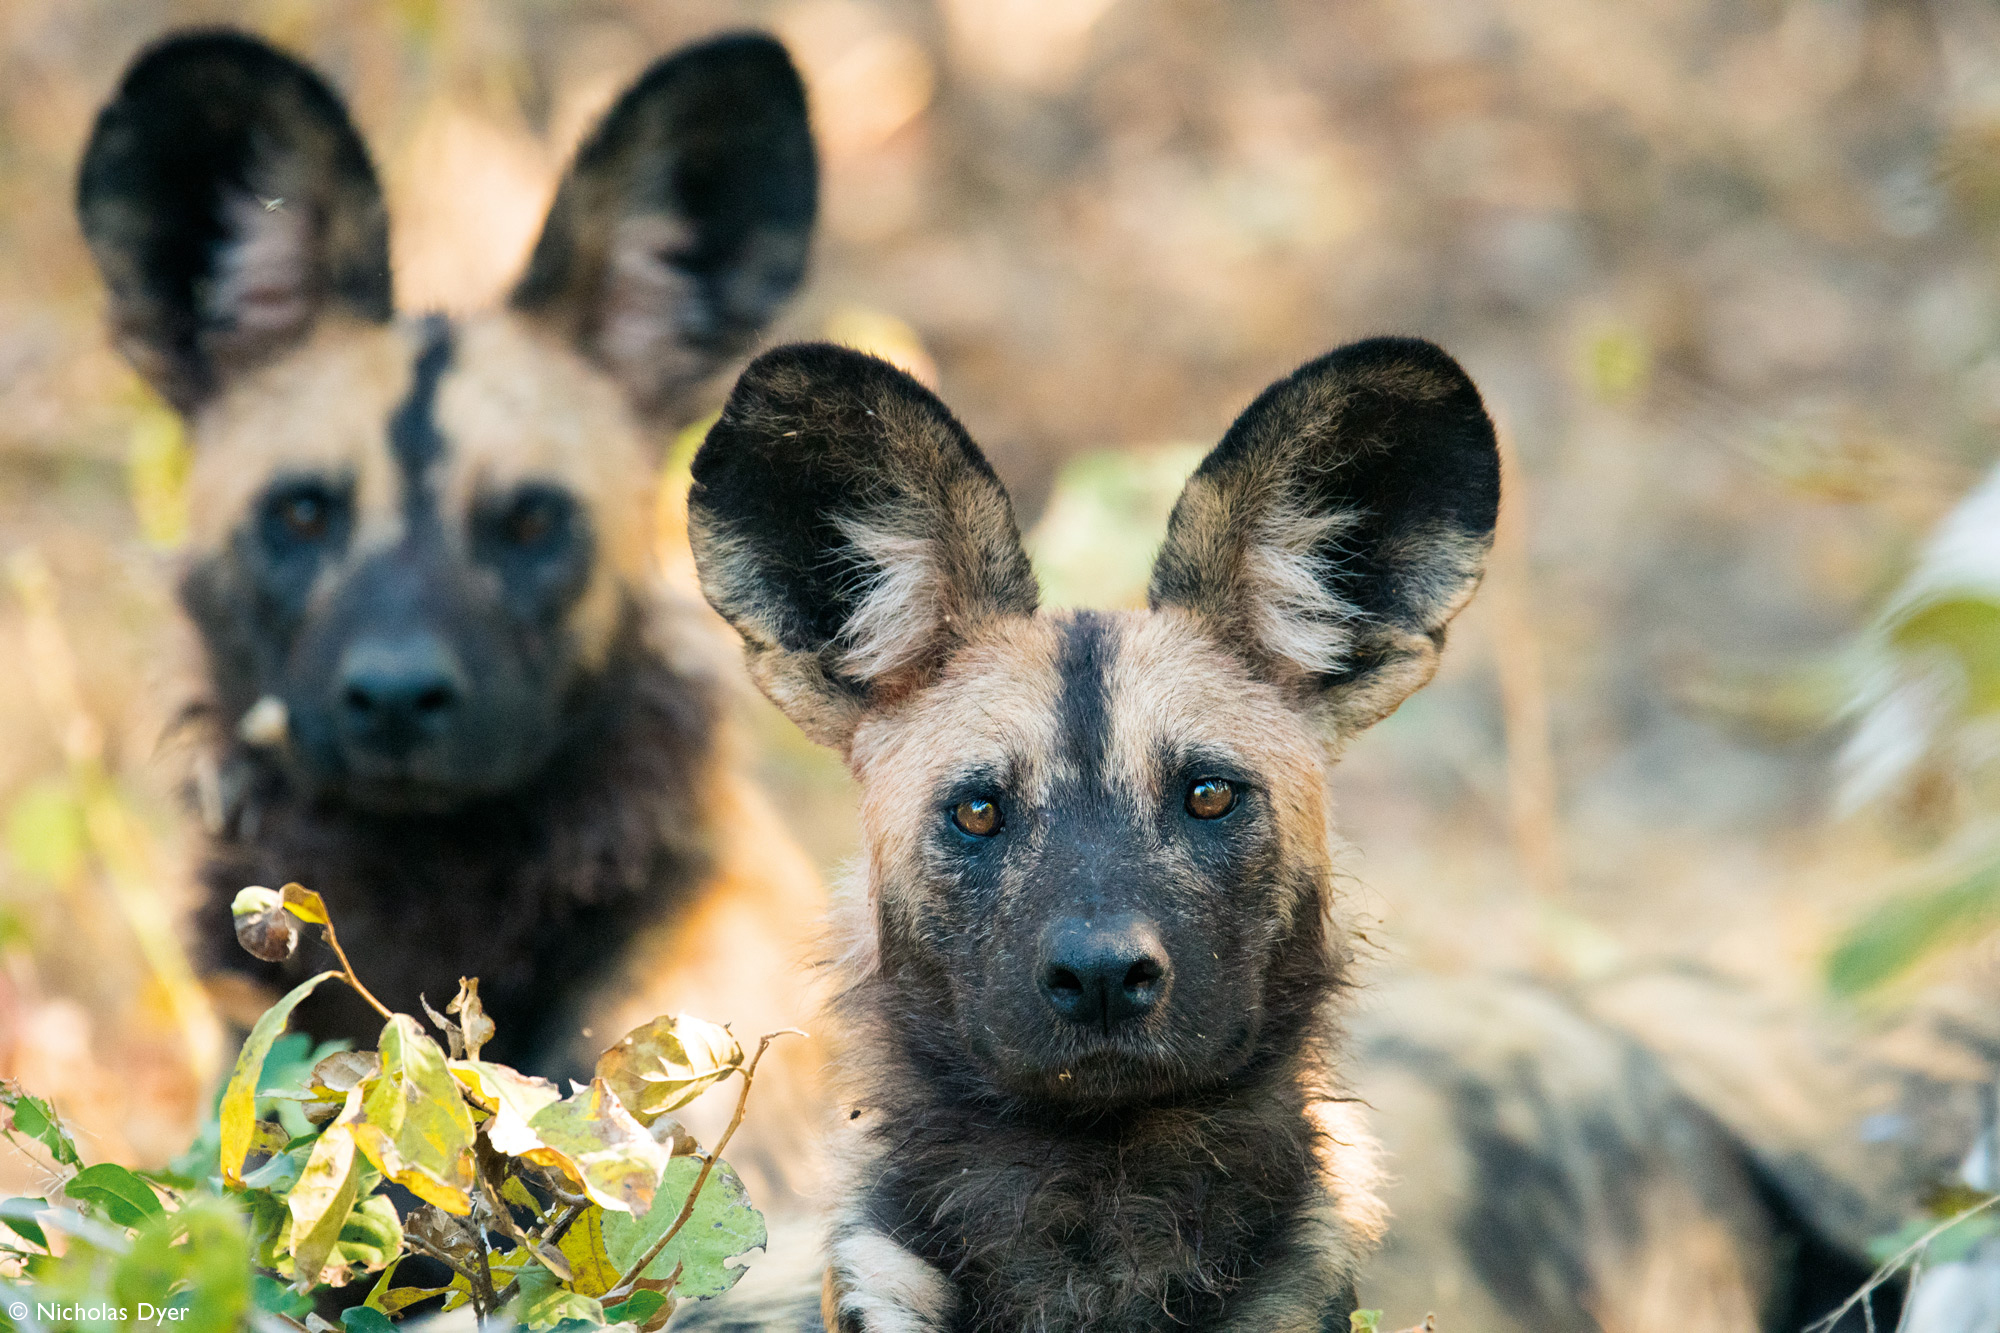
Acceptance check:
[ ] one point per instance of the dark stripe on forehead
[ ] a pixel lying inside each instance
(1083, 712)
(414, 437)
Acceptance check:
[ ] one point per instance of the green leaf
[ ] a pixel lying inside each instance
(372, 1236)
(723, 1226)
(544, 1302)
(320, 1202)
(366, 1319)
(663, 1065)
(638, 1308)
(282, 1172)
(1904, 931)
(115, 1192)
(37, 1119)
(198, 1259)
(413, 1122)
(238, 1112)
(19, 1217)
(619, 1160)
(1364, 1321)
(274, 1297)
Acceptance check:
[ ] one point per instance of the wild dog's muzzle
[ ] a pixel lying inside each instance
(1103, 973)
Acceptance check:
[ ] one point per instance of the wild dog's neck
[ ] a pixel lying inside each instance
(1139, 1218)
(538, 886)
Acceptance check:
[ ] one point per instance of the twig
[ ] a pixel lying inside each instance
(560, 1227)
(627, 1284)
(1892, 1266)
(416, 1242)
(347, 970)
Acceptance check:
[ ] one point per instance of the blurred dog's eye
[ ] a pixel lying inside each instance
(1211, 798)
(304, 515)
(979, 818)
(300, 514)
(532, 520)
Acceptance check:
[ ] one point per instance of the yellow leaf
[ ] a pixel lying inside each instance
(667, 1063)
(592, 1271)
(618, 1160)
(157, 465)
(320, 1202)
(512, 1097)
(413, 1122)
(238, 1111)
(304, 904)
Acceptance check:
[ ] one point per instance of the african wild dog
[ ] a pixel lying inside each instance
(444, 689)
(1089, 996)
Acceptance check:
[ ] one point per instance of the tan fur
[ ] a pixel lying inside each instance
(322, 407)
(1174, 685)
(995, 699)
(518, 405)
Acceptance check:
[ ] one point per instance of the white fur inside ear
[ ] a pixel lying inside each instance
(262, 286)
(646, 301)
(901, 608)
(892, 1290)
(1288, 583)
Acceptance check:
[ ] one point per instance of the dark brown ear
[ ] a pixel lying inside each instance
(1340, 525)
(850, 530)
(229, 204)
(683, 223)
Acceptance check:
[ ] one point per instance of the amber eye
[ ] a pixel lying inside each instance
(1211, 798)
(304, 515)
(979, 818)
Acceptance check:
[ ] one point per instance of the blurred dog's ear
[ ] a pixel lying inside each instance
(1340, 525)
(684, 221)
(848, 527)
(229, 204)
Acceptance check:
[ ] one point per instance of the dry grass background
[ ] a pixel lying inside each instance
(1725, 270)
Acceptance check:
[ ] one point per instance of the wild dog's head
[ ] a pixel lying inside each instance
(1093, 838)
(414, 538)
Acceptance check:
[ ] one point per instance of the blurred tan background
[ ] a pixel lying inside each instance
(1724, 270)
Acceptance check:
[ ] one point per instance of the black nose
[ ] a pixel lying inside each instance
(1105, 972)
(394, 695)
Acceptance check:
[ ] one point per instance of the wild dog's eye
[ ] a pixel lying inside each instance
(532, 519)
(980, 818)
(1211, 798)
(304, 515)
(301, 514)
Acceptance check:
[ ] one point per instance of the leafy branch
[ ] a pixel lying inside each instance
(563, 1212)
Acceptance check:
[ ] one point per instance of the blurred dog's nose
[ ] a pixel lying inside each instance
(1102, 973)
(394, 695)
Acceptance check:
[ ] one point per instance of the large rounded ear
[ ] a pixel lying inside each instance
(683, 223)
(229, 204)
(1340, 525)
(848, 527)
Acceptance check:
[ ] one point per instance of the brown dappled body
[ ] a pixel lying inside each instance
(1093, 961)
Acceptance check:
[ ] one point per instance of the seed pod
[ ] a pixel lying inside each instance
(263, 926)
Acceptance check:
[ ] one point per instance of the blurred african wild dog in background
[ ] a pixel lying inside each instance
(445, 691)
(1093, 957)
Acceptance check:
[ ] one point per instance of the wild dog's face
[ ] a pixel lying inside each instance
(1091, 835)
(414, 538)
